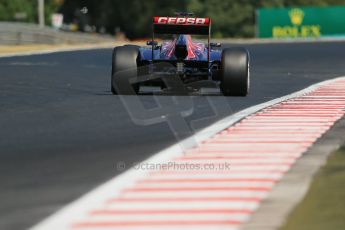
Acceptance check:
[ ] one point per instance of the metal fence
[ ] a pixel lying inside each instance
(12, 33)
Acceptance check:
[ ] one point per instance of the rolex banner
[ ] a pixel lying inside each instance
(302, 22)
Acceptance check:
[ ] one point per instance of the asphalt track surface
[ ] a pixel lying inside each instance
(62, 133)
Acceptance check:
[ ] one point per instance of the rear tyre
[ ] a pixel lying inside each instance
(124, 67)
(234, 79)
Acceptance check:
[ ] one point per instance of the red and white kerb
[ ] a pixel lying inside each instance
(260, 149)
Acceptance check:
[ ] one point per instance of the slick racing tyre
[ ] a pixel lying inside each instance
(234, 77)
(124, 70)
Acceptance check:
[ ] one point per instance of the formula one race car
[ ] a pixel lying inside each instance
(181, 59)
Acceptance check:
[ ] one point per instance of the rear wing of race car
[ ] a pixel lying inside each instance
(182, 25)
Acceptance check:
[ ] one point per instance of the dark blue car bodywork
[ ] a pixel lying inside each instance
(196, 66)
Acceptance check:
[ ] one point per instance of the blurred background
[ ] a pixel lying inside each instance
(132, 19)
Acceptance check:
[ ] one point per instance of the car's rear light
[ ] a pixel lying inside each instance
(179, 67)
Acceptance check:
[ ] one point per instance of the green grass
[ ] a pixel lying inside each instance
(323, 208)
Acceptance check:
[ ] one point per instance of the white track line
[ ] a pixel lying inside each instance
(95, 199)
(58, 49)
